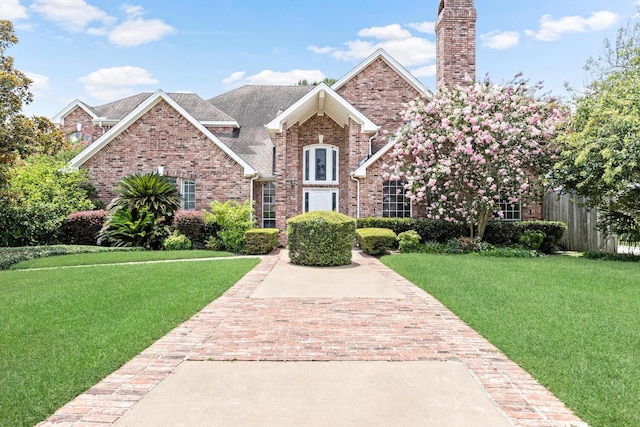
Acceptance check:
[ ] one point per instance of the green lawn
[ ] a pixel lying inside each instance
(572, 323)
(62, 330)
(114, 258)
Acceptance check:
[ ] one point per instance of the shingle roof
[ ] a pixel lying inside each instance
(253, 107)
(200, 109)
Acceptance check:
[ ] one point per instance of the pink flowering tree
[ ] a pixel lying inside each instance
(464, 150)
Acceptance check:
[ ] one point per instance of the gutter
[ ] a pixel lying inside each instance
(353, 177)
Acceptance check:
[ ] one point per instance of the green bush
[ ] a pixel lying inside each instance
(320, 238)
(14, 255)
(82, 228)
(607, 256)
(214, 244)
(553, 232)
(259, 241)
(409, 241)
(531, 239)
(376, 241)
(177, 242)
(191, 224)
(233, 220)
(38, 199)
(428, 229)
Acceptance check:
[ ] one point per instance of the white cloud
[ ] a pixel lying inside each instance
(424, 27)
(406, 48)
(108, 84)
(500, 40)
(554, 29)
(40, 84)
(12, 9)
(234, 78)
(73, 15)
(269, 77)
(428, 71)
(139, 31)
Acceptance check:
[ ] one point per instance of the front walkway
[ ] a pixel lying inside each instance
(239, 327)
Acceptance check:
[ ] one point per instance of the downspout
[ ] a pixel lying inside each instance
(253, 178)
(370, 142)
(357, 194)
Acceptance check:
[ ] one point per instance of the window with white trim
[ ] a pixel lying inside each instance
(187, 190)
(510, 211)
(394, 202)
(269, 205)
(320, 164)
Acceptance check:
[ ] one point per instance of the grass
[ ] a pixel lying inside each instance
(114, 258)
(62, 330)
(570, 322)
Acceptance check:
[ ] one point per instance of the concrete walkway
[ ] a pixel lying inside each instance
(301, 346)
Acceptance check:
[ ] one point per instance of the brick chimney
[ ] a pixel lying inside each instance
(456, 42)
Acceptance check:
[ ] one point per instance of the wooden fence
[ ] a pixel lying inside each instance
(582, 234)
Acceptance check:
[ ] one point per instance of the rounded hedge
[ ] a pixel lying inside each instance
(320, 238)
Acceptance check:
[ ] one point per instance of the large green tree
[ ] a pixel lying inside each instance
(20, 136)
(600, 153)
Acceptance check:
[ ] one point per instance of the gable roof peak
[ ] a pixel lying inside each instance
(380, 53)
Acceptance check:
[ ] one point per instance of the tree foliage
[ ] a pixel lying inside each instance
(20, 136)
(40, 198)
(600, 153)
(465, 149)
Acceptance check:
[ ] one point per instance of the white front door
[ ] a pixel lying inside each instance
(320, 200)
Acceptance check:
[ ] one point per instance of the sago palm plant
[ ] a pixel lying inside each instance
(142, 212)
(151, 191)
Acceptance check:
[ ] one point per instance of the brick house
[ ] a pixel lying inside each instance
(289, 149)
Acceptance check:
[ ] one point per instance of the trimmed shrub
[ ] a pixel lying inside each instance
(259, 241)
(553, 232)
(531, 239)
(214, 244)
(409, 241)
(191, 224)
(82, 228)
(430, 230)
(177, 242)
(320, 238)
(376, 241)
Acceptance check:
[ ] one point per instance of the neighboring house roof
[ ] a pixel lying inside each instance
(395, 65)
(321, 100)
(113, 112)
(253, 107)
(138, 112)
(59, 118)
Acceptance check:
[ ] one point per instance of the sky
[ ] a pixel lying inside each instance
(99, 51)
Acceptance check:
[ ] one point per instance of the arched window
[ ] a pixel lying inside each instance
(321, 164)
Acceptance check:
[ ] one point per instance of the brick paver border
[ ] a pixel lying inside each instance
(236, 327)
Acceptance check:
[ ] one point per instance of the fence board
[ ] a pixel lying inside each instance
(582, 233)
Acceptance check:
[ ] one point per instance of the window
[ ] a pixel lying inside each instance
(510, 211)
(187, 190)
(321, 164)
(269, 205)
(394, 203)
(188, 195)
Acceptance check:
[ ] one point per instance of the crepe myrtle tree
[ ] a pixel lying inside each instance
(465, 149)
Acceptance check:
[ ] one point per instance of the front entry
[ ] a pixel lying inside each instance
(322, 199)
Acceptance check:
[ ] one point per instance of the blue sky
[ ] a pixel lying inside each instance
(101, 50)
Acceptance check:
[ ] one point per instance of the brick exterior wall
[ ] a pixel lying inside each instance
(89, 131)
(455, 42)
(162, 137)
(379, 93)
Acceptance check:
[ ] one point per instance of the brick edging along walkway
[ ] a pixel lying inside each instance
(236, 327)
